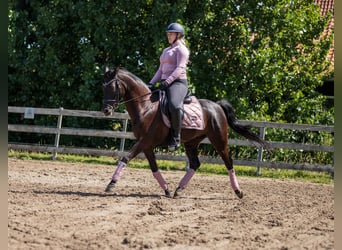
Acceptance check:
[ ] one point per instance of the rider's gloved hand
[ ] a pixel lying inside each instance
(163, 85)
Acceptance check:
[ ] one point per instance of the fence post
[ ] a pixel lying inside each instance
(122, 142)
(333, 168)
(58, 134)
(260, 151)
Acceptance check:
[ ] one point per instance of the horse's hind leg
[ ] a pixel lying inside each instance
(155, 171)
(220, 142)
(228, 161)
(233, 180)
(232, 177)
(194, 163)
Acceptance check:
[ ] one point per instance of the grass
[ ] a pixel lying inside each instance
(206, 168)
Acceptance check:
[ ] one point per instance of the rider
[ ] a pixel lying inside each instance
(173, 76)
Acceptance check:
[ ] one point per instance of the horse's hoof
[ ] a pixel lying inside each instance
(110, 186)
(239, 193)
(176, 193)
(167, 193)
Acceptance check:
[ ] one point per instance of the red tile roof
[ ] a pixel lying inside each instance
(326, 7)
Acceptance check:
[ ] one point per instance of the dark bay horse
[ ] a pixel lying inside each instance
(121, 86)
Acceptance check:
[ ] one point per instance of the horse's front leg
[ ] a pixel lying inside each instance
(117, 174)
(122, 163)
(191, 152)
(155, 171)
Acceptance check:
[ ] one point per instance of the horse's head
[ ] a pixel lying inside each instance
(120, 84)
(111, 91)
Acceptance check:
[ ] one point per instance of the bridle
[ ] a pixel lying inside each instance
(116, 100)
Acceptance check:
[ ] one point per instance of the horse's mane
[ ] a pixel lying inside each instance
(122, 72)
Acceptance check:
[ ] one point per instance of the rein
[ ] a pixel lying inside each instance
(117, 98)
(132, 99)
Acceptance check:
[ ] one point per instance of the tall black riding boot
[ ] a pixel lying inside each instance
(176, 122)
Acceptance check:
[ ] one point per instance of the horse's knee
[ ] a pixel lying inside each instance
(195, 164)
(230, 163)
(154, 169)
(124, 159)
(191, 152)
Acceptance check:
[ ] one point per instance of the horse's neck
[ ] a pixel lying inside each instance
(139, 113)
(138, 103)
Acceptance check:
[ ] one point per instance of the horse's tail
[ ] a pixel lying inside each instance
(243, 130)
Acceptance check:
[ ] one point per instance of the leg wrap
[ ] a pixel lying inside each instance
(118, 172)
(233, 181)
(160, 180)
(187, 177)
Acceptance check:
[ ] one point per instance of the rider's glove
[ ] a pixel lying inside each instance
(163, 85)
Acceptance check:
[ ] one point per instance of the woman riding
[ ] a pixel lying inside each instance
(173, 77)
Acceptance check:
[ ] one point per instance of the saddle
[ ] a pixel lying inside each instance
(192, 109)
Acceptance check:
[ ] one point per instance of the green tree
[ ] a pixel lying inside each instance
(266, 57)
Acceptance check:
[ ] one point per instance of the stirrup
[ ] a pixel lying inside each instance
(173, 147)
(187, 98)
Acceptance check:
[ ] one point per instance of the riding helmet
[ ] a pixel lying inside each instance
(175, 27)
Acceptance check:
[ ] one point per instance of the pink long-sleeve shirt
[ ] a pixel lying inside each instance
(173, 63)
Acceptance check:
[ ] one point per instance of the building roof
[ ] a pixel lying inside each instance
(327, 6)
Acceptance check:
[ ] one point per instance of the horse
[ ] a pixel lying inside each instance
(123, 87)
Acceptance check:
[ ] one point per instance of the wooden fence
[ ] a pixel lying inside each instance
(59, 130)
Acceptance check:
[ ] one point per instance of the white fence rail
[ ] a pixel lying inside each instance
(123, 135)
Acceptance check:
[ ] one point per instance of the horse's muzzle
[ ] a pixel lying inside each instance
(107, 110)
